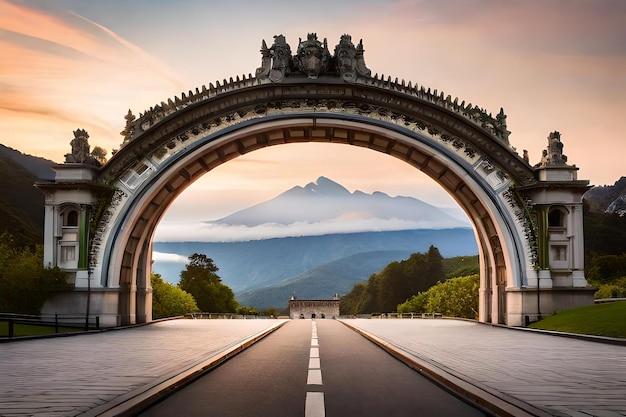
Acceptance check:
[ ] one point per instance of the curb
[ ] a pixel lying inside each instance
(484, 397)
(586, 337)
(132, 402)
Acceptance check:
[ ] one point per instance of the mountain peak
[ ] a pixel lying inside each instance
(326, 187)
(325, 204)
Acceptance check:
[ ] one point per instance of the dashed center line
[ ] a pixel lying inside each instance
(314, 363)
(314, 405)
(315, 377)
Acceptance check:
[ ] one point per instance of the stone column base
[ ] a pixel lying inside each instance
(527, 305)
(71, 306)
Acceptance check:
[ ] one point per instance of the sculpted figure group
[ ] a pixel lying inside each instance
(312, 59)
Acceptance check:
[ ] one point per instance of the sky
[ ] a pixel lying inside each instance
(552, 65)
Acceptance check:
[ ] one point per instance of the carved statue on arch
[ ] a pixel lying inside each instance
(313, 57)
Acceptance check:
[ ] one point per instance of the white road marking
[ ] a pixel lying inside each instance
(314, 406)
(314, 377)
(314, 363)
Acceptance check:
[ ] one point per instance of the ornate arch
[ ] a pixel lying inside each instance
(314, 96)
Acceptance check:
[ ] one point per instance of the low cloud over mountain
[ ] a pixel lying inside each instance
(319, 208)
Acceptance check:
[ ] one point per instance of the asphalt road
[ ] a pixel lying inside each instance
(312, 369)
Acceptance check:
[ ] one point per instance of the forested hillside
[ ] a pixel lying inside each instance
(21, 205)
(253, 264)
(336, 277)
(399, 281)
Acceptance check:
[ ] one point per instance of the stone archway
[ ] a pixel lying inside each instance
(314, 96)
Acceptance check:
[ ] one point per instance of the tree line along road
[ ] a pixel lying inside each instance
(312, 368)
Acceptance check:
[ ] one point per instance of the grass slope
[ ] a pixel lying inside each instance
(607, 319)
(32, 330)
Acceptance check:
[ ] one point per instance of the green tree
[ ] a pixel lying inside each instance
(201, 281)
(605, 269)
(616, 289)
(416, 304)
(397, 282)
(271, 312)
(169, 300)
(434, 266)
(25, 284)
(247, 311)
(460, 266)
(100, 155)
(352, 303)
(455, 297)
(605, 234)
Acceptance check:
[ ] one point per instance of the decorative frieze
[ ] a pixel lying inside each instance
(312, 61)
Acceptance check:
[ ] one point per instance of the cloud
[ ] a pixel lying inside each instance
(196, 231)
(61, 71)
(169, 257)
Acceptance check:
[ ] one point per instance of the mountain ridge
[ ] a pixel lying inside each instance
(253, 264)
(336, 277)
(607, 198)
(326, 200)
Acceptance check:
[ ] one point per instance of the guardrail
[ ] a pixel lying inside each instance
(407, 316)
(55, 321)
(608, 300)
(225, 316)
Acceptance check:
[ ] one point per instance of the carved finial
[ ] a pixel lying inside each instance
(553, 154)
(129, 128)
(349, 59)
(500, 126)
(281, 64)
(80, 150)
(266, 62)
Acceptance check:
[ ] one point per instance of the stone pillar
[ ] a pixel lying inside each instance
(556, 201)
(128, 304)
(577, 246)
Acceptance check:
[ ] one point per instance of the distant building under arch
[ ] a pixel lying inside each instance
(307, 308)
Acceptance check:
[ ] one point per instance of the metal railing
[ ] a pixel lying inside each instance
(226, 316)
(395, 315)
(54, 321)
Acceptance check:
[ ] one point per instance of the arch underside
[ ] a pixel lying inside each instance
(135, 264)
(440, 144)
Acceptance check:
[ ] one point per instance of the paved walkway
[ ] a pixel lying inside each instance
(100, 374)
(562, 376)
(88, 375)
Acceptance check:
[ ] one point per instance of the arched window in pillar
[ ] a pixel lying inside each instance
(555, 218)
(70, 219)
(68, 236)
(559, 241)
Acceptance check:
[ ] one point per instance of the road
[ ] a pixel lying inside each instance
(312, 368)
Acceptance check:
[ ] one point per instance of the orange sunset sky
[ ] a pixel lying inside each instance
(552, 65)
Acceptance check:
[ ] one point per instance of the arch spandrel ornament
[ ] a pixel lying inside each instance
(318, 97)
